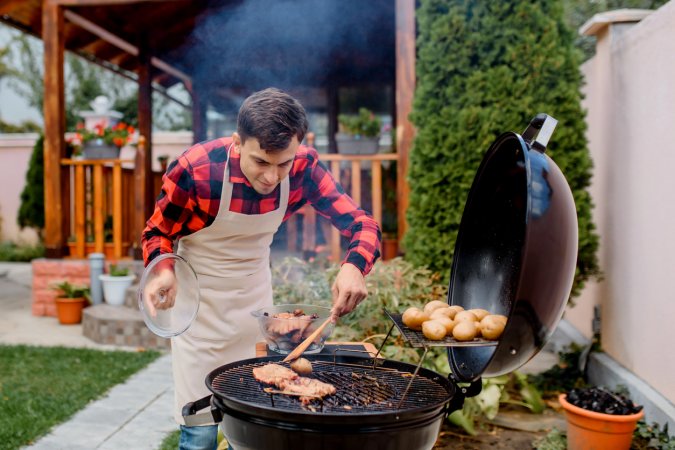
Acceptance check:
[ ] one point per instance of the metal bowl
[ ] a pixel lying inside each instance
(284, 334)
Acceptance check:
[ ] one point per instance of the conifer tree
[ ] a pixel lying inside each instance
(484, 68)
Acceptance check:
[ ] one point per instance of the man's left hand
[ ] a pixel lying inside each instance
(348, 290)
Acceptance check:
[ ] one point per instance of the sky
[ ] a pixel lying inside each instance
(13, 108)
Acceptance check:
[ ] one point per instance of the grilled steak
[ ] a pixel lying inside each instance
(288, 381)
(307, 388)
(273, 374)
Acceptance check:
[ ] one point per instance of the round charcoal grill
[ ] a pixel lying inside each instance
(371, 408)
(515, 255)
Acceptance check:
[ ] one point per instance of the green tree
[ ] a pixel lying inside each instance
(32, 209)
(484, 68)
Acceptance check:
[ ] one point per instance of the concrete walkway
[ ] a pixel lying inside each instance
(135, 415)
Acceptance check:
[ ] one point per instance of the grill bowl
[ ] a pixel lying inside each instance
(276, 330)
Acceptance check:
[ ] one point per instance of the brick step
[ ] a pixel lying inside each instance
(119, 325)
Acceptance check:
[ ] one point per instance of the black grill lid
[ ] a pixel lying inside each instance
(516, 250)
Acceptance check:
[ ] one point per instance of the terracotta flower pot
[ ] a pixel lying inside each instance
(590, 430)
(69, 310)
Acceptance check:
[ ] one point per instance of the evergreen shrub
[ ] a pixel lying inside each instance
(484, 68)
(32, 208)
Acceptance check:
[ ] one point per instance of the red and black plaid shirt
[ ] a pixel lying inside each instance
(192, 186)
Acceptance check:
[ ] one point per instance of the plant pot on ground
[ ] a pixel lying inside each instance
(115, 284)
(598, 418)
(70, 302)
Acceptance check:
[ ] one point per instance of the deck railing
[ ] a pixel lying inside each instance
(102, 203)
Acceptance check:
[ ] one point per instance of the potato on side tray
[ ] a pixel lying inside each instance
(434, 305)
(479, 313)
(443, 312)
(413, 318)
(463, 316)
(492, 327)
(465, 331)
(433, 330)
(449, 324)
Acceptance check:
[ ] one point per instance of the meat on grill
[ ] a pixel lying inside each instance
(288, 381)
(307, 388)
(273, 374)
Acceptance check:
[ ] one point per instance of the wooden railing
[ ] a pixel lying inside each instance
(348, 170)
(101, 188)
(105, 188)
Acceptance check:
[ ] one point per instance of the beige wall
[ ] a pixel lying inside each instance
(15, 151)
(631, 123)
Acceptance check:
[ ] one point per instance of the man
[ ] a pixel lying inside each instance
(223, 201)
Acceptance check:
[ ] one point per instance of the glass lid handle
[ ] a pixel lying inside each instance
(539, 131)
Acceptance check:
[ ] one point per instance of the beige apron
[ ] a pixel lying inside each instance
(231, 258)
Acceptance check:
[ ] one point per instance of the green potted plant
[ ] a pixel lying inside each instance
(598, 418)
(115, 284)
(70, 301)
(163, 162)
(358, 134)
(103, 142)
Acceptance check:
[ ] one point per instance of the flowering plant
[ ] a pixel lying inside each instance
(117, 135)
(365, 124)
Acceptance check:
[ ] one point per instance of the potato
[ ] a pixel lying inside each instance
(302, 366)
(479, 313)
(433, 330)
(434, 305)
(413, 318)
(492, 327)
(465, 316)
(503, 319)
(456, 308)
(465, 331)
(448, 323)
(443, 312)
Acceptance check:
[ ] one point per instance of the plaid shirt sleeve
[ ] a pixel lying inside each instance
(173, 216)
(330, 200)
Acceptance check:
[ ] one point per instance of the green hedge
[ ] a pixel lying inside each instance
(32, 209)
(484, 68)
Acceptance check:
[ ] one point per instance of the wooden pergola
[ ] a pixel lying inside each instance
(201, 44)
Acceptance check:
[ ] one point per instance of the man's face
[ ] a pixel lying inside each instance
(264, 170)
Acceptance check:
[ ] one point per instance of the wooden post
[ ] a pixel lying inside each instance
(333, 109)
(117, 209)
(143, 183)
(55, 124)
(405, 89)
(98, 211)
(80, 212)
(376, 191)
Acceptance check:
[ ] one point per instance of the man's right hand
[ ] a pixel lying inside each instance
(160, 292)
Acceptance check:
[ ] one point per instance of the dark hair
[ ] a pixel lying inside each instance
(272, 117)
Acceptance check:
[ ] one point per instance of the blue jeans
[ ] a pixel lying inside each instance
(198, 438)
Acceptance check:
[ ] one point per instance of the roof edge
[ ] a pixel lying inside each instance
(598, 22)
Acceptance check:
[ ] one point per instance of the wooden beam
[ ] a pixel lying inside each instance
(123, 45)
(143, 181)
(100, 2)
(199, 122)
(8, 6)
(405, 89)
(55, 124)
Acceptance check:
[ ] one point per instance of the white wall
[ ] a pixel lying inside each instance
(631, 118)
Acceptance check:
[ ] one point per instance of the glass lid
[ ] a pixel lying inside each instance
(168, 296)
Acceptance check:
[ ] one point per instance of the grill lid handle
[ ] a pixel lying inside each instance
(539, 131)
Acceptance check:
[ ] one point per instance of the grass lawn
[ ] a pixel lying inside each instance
(43, 386)
(171, 441)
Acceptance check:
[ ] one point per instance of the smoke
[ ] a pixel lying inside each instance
(285, 43)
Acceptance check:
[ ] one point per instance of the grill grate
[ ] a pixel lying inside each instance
(359, 389)
(416, 338)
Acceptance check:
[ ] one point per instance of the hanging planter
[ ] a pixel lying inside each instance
(590, 430)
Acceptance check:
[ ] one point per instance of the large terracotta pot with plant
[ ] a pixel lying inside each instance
(594, 430)
(70, 302)
(115, 284)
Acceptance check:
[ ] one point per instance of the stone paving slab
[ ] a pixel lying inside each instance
(134, 415)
